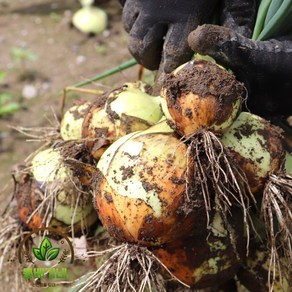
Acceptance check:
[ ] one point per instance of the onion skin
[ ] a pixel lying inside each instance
(145, 202)
(257, 147)
(205, 260)
(71, 125)
(118, 113)
(202, 95)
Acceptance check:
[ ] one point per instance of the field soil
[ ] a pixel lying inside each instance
(55, 56)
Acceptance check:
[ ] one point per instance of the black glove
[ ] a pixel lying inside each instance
(264, 66)
(158, 29)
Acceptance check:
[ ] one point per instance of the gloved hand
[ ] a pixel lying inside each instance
(264, 66)
(158, 29)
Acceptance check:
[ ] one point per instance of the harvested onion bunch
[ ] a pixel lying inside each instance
(55, 190)
(203, 100)
(257, 147)
(117, 113)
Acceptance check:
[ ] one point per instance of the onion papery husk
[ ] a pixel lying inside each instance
(71, 124)
(55, 190)
(124, 110)
(202, 95)
(141, 192)
(209, 259)
(255, 273)
(257, 147)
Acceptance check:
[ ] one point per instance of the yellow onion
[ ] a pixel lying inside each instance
(55, 193)
(257, 147)
(120, 112)
(71, 125)
(89, 19)
(205, 260)
(202, 95)
(140, 190)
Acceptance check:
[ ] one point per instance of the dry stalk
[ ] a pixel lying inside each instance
(277, 214)
(129, 268)
(222, 183)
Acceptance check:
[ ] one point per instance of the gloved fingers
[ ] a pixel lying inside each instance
(239, 15)
(264, 66)
(146, 42)
(130, 15)
(237, 52)
(176, 50)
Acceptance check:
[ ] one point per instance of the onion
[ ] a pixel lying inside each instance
(202, 95)
(257, 147)
(140, 191)
(123, 111)
(205, 260)
(71, 125)
(90, 19)
(54, 194)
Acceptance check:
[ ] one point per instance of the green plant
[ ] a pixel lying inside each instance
(7, 106)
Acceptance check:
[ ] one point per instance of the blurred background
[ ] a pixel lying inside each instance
(41, 53)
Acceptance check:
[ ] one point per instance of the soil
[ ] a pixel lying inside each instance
(64, 56)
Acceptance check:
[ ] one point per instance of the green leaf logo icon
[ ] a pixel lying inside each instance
(46, 252)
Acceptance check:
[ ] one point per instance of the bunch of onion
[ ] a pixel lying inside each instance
(90, 19)
(145, 199)
(55, 190)
(258, 148)
(203, 100)
(117, 113)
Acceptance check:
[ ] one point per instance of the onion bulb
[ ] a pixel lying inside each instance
(205, 260)
(257, 146)
(123, 111)
(90, 19)
(71, 125)
(140, 190)
(55, 193)
(202, 95)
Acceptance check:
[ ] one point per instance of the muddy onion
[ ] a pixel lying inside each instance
(122, 111)
(51, 186)
(256, 146)
(205, 260)
(141, 186)
(71, 125)
(90, 19)
(202, 95)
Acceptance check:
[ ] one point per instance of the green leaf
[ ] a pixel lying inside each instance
(52, 254)
(9, 108)
(45, 246)
(37, 253)
(2, 75)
